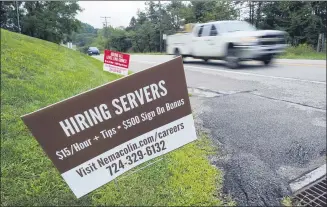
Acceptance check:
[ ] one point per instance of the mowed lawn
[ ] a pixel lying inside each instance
(36, 73)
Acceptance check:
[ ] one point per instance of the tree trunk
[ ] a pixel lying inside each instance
(258, 15)
(149, 45)
(250, 13)
(319, 41)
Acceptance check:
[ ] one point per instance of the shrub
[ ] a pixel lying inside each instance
(300, 49)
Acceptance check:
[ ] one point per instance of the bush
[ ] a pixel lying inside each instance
(303, 51)
(300, 49)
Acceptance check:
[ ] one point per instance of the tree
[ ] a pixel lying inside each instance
(173, 15)
(84, 36)
(118, 40)
(152, 12)
(302, 20)
(220, 10)
(9, 17)
(187, 13)
(132, 24)
(204, 11)
(141, 17)
(52, 21)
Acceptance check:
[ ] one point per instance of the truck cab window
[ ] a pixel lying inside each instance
(213, 31)
(206, 30)
(200, 31)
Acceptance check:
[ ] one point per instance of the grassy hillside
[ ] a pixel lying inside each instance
(35, 73)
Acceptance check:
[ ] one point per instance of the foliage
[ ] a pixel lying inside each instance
(118, 40)
(8, 12)
(100, 40)
(303, 21)
(84, 35)
(287, 201)
(204, 11)
(303, 51)
(48, 20)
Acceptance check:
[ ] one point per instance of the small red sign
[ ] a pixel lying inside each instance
(116, 58)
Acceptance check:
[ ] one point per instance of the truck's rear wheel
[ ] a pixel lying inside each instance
(177, 53)
(232, 59)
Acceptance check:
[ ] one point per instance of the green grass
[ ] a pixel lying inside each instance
(184, 177)
(303, 52)
(36, 73)
(286, 201)
(289, 201)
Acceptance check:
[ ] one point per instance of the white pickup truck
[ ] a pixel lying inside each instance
(233, 41)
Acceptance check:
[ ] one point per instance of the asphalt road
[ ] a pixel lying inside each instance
(269, 122)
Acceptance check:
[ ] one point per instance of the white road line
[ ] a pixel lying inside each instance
(200, 69)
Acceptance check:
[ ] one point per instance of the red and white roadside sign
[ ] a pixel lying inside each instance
(116, 62)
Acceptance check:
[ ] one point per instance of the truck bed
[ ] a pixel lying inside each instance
(183, 41)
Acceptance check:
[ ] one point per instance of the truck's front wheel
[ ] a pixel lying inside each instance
(267, 60)
(232, 59)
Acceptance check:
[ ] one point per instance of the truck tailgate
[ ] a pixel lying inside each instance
(181, 41)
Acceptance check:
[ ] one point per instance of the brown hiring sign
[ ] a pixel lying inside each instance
(98, 135)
